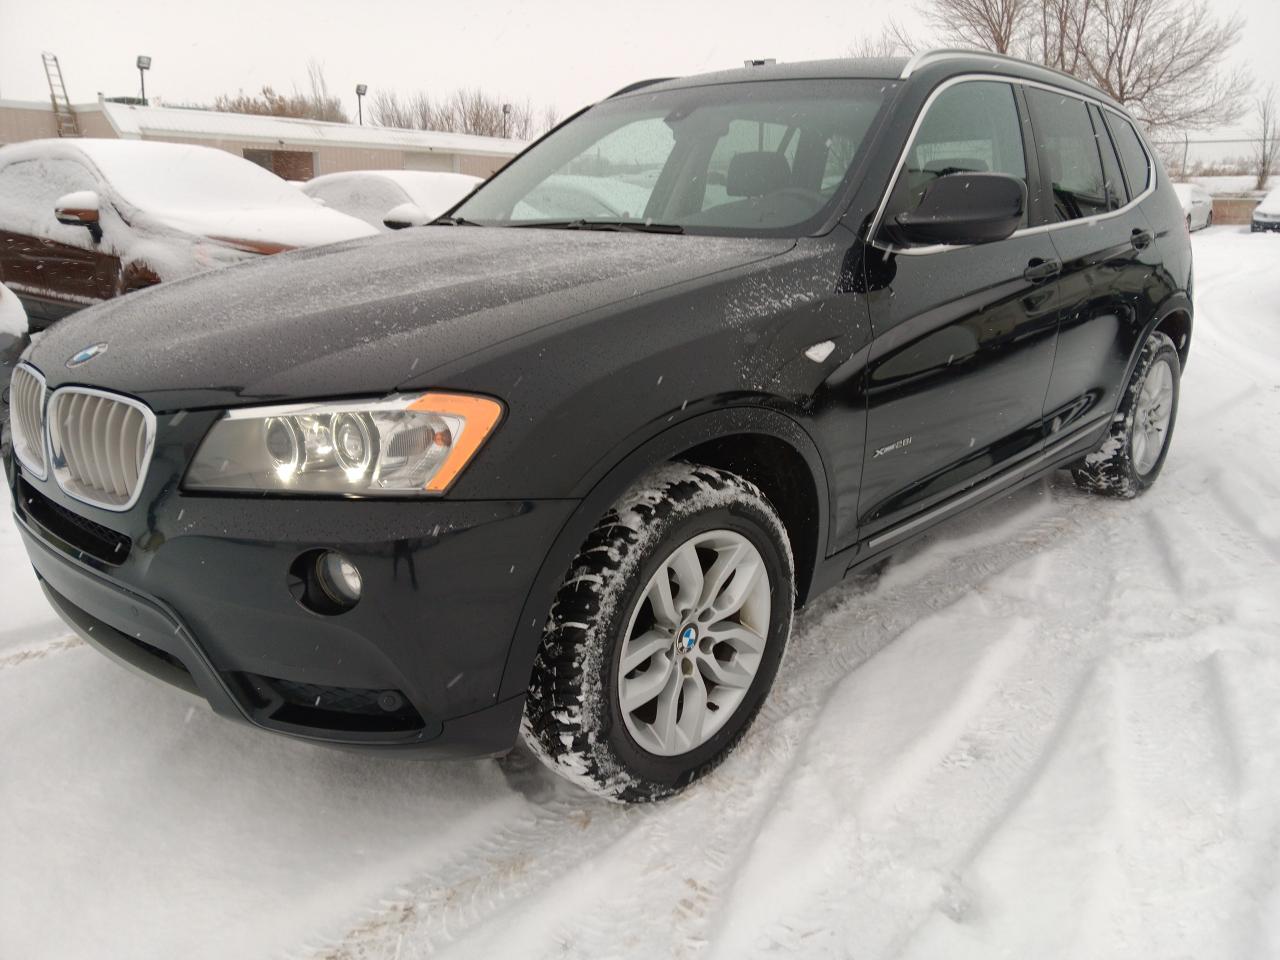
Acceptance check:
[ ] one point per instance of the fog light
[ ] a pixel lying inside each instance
(338, 578)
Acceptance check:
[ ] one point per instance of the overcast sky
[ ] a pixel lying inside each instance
(567, 52)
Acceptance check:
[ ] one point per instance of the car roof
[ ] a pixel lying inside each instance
(933, 65)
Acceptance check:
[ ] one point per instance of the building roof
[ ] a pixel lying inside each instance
(135, 122)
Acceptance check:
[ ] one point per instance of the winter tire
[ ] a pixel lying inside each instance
(1133, 454)
(665, 636)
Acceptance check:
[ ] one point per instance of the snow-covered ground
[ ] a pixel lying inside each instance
(1052, 729)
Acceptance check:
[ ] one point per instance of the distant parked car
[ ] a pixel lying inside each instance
(391, 199)
(86, 220)
(1197, 205)
(1266, 215)
(567, 194)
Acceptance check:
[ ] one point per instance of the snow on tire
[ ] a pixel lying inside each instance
(665, 636)
(1134, 451)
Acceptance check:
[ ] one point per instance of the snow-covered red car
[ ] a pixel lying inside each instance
(86, 220)
(390, 199)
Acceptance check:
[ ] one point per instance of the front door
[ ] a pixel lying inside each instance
(964, 336)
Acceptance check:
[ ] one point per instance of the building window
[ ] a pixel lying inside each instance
(286, 164)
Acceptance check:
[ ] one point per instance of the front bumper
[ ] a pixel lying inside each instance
(195, 590)
(1260, 226)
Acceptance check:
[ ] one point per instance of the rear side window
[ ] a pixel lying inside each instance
(1116, 195)
(1137, 168)
(1065, 139)
(971, 127)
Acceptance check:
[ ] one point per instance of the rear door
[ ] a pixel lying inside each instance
(1108, 253)
(964, 336)
(52, 267)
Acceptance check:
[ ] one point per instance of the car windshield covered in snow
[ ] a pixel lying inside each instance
(767, 157)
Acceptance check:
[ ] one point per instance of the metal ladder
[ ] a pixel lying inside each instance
(62, 113)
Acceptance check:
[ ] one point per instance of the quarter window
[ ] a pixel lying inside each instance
(1116, 195)
(1065, 139)
(1137, 168)
(971, 127)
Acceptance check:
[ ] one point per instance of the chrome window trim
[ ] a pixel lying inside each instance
(149, 422)
(877, 221)
(38, 473)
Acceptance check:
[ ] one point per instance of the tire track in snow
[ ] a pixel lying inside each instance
(807, 677)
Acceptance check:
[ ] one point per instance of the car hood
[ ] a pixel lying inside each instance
(365, 316)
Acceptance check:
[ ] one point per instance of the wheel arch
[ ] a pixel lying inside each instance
(1174, 318)
(764, 445)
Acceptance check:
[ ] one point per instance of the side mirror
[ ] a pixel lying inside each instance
(79, 209)
(406, 215)
(964, 208)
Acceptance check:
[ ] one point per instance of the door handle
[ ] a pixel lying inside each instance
(1142, 238)
(1038, 270)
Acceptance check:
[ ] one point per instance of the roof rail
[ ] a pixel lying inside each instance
(638, 85)
(926, 57)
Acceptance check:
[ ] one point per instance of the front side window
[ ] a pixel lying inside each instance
(29, 191)
(763, 157)
(971, 127)
(1065, 139)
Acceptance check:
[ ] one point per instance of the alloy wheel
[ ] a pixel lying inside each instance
(694, 642)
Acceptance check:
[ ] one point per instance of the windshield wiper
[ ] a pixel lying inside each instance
(454, 222)
(638, 226)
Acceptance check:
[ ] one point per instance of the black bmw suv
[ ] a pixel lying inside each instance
(567, 461)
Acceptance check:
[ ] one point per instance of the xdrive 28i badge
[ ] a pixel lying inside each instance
(87, 354)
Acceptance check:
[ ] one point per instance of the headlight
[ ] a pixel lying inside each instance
(399, 446)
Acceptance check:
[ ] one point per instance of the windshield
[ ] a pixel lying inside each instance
(764, 157)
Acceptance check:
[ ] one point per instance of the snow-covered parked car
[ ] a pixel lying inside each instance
(13, 338)
(1197, 205)
(568, 194)
(1266, 215)
(391, 199)
(86, 220)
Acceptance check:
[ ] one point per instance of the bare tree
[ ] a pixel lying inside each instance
(315, 104)
(466, 110)
(1164, 59)
(1056, 33)
(994, 25)
(1268, 148)
(892, 41)
(550, 117)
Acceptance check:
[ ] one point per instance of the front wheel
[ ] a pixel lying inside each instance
(1134, 451)
(665, 636)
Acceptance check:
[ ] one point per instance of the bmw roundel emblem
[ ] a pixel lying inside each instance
(87, 354)
(688, 637)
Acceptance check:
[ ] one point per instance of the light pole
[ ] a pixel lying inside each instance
(144, 64)
(361, 90)
(506, 112)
